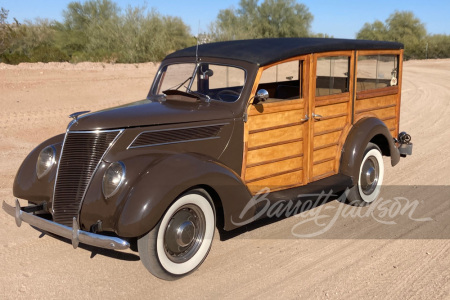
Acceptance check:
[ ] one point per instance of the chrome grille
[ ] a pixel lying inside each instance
(81, 154)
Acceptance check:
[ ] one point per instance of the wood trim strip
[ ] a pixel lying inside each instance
(275, 144)
(246, 124)
(328, 131)
(386, 91)
(274, 160)
(334, 53)
(375, 108)
(392, 128)
(275, 174)
(324, 160)
(326, 146)
(332, 99)
(275, 127)
(333, 116)
(381, 52)
(275, 107)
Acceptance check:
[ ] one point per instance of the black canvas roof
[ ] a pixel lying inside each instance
(266, 51)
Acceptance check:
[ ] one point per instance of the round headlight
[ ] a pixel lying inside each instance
(45, 161)
(113, 178)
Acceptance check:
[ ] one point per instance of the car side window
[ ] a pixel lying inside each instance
(376, 71)
(332, 75)
(283, 81)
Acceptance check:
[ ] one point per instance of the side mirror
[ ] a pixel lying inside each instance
(261, 96)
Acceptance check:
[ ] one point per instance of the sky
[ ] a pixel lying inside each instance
(340, 19)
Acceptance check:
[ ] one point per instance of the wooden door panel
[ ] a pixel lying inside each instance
(276, 136)
(335, 111)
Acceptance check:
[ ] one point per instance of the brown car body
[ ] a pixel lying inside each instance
(177, 143)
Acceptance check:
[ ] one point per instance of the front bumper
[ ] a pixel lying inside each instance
(72, 233)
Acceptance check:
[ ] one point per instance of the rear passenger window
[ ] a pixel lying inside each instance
(376, 71)
(283, 81)
(332, 75)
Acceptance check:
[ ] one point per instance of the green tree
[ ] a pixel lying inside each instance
(376, 31)
(438, 46)
(401, 27)
(89, 29)
(6, 31)
(272, 18)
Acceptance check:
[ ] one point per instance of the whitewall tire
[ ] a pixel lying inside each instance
(180, 242)
(370, 177)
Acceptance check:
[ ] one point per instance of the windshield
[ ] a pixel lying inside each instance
(218, 82)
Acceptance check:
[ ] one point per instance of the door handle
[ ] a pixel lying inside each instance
(305, 119)
(317, 117)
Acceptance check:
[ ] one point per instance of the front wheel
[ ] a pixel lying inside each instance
(180, 242)
(370, 178)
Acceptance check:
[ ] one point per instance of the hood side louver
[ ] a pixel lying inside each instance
(171, 136)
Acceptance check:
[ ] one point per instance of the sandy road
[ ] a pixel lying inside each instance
(356, 258)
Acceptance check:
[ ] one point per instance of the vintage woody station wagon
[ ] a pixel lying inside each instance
(222, 121)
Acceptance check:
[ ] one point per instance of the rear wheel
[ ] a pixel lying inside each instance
(182, 239)
(370, 178)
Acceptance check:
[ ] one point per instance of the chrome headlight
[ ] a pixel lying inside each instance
(113, 179)
(45, 161)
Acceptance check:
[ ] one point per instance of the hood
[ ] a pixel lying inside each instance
(147, 113)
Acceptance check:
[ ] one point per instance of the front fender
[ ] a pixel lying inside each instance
(165, 180)
(360, 135)
(26, 184)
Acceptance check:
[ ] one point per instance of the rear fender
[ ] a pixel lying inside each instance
(364, 131)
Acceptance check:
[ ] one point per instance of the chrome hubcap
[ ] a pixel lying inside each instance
(369, 175)
(184, 233)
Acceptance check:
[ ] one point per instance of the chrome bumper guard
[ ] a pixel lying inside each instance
(75, 234)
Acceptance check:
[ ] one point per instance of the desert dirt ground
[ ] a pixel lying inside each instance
(357, 258)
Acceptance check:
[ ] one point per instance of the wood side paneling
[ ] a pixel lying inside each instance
(325, 153)
(263, 121)
(329, 125)
(331, 110)
(255, 173)
(284, 134)
(326, 139)
(276, 152)
(374, 103)
(277, 182)
(323, 169)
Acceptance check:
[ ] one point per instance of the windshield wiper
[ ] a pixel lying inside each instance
(180, 85)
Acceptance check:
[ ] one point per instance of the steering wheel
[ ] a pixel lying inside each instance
(228, 95)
